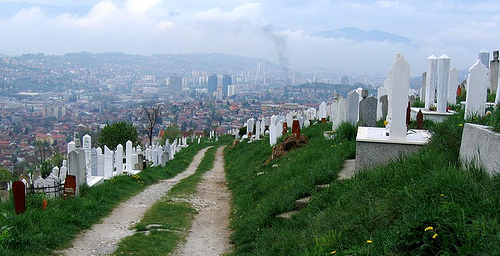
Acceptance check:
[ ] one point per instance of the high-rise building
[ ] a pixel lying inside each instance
(344, 80)
(212, 84)
(226, 81)
(175, 84)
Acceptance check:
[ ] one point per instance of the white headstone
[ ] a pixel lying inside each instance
(307, 123)
(272, 134)
(399, 99)
(94, 160)
(340, 113)
(71, 146)
(108, 163)
(352, 107)
(128, 156)
(322, 110)
(257, 130)
(55, 171)
(443, 83)
(87, 145)
(76, 159)
(477, 84)
(430, 87)
(279, 130)
(250, 123)
(63, 171)
(119, 159)
(289, 119)
(100, 162)
(452, 86)
(155, 157)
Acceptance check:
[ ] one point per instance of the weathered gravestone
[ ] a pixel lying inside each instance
(367, 110)
(285, 128)
(384, 101)
(296, 128)
(69, 187)
(164, 159)
(420, 120)
(19, 191)
(37, 173)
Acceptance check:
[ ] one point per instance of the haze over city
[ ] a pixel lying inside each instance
(345, 36)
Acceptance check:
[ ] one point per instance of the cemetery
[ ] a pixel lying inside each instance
(317, 180)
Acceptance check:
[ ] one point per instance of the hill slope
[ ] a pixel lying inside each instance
(421, 205)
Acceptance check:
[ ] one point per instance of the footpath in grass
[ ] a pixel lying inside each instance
(166, 223)
(38, 232)
(425, 204)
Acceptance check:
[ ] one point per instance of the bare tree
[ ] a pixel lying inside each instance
(152, 115)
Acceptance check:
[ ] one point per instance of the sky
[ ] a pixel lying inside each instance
(281, 31)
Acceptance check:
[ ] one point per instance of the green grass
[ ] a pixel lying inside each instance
(173, 216)
(38, 232)
(391, 206)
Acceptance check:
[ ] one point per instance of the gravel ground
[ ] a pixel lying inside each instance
(209, 233)
(103, 238)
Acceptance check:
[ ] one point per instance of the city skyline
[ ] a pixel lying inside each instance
(346, 36)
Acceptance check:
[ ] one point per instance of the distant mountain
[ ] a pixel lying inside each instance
(357, 34)
(159, 64)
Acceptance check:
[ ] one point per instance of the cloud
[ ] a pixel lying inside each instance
(276, 30)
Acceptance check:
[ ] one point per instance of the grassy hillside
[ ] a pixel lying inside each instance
(425, 204)
(38, 232)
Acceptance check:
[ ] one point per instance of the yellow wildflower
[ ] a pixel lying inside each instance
(429, 228)
(385, 122)
(333, 252)
(434, 236)
(442, 195)
(369, 241)
(460, 125)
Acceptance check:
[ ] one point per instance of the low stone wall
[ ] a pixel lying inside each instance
(373, 154)
(480, 146)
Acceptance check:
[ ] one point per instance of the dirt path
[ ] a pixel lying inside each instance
(209, 233)
(102, 239)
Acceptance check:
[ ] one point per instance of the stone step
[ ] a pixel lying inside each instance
(287, 215)
(348, 170)
(321, 187)
(302, 203)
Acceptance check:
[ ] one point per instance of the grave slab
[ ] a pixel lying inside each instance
(374, 148)
(480, 146)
